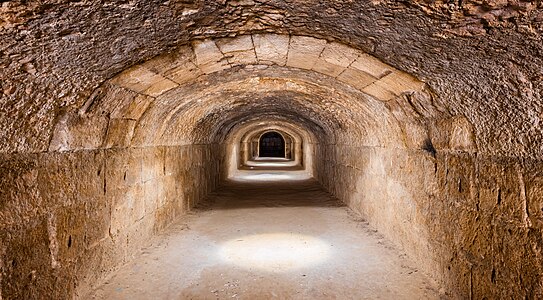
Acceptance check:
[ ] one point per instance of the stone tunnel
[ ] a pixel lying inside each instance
(260, 149)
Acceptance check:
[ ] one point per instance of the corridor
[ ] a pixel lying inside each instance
(266, 240)
(289, 149)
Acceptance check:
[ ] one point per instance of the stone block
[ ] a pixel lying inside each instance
(172, 60)
(152, 163)
(160, 87)
(70, 231)
(152, 195)
(183, 73)
(119, 133)
(416, 134)
(26, 263)
(247, 57)
(239, 43)
(378, 92)
(129, 208)
(461, 135)
(533, 182)
(174, 160)
(123, 168)
(22, 198)
(356, 78)
(76, 132)
(511, 203)
(488, 184)
(132, 109)
(399, 82)
(460, 184)
(88, 173)
(327, 68)
(371, 65)
(511, 245)
(208, 56)
(137, 79)
(112, 96)
(98, 215)
(339, 54)
(271, 48)
(55, 178)
(304, 51)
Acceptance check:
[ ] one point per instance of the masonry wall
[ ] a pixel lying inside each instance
(68, 218)
(472, 222)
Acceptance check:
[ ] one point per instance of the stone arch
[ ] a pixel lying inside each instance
(272, 144)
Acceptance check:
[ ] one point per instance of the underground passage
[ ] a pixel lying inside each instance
(242, 149)
(271, 144)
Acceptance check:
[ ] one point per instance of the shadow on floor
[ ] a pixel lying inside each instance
(299, 193)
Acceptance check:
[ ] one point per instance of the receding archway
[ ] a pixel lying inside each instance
(271, 144)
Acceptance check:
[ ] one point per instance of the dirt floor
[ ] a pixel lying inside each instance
(283, 240)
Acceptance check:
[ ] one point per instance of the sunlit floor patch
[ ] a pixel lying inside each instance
(277, 252)
(241, 175)
(272, 162)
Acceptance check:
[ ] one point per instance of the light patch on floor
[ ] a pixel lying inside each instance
(275, 252)
(269, 175)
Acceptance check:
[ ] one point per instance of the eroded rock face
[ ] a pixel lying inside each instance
(426, 119)
(55, 55)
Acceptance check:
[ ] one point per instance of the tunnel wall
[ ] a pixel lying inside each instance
(471, 221)
(483, 58)
(69, 218)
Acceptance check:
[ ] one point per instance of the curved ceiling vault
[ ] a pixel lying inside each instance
(196, 93)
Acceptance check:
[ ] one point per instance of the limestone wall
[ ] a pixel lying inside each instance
(70, 217)
(473, 222)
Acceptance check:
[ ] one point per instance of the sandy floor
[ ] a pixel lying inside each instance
(269, 240)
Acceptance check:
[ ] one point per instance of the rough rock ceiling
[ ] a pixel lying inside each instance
(481, 58)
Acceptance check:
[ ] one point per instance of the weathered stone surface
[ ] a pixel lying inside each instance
(74, 132)
(208, 56)
(304, 51)
(271, 48)
(378, 92)
(371, 65)
(356, 78)
(137, 79)
(455, 144)
(76, 204)
(239, 50)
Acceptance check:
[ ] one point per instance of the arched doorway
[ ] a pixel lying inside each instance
(271, 144)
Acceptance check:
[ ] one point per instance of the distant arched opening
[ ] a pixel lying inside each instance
(271, 144)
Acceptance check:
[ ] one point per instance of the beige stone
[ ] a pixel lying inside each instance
(339, 54)
(119, 133)
(75, 132)
(239, 43)
(208, 56)
(371, 65)
(271, 48)
(238, 50)
(327, 68)
(246, 57)
(160, 87)
(399, 82)
(304, 51)
(171, 60)
(378, 92)
(132, 109)
(356, 78)
(183, 73)
(461, 135)
(136, 79)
